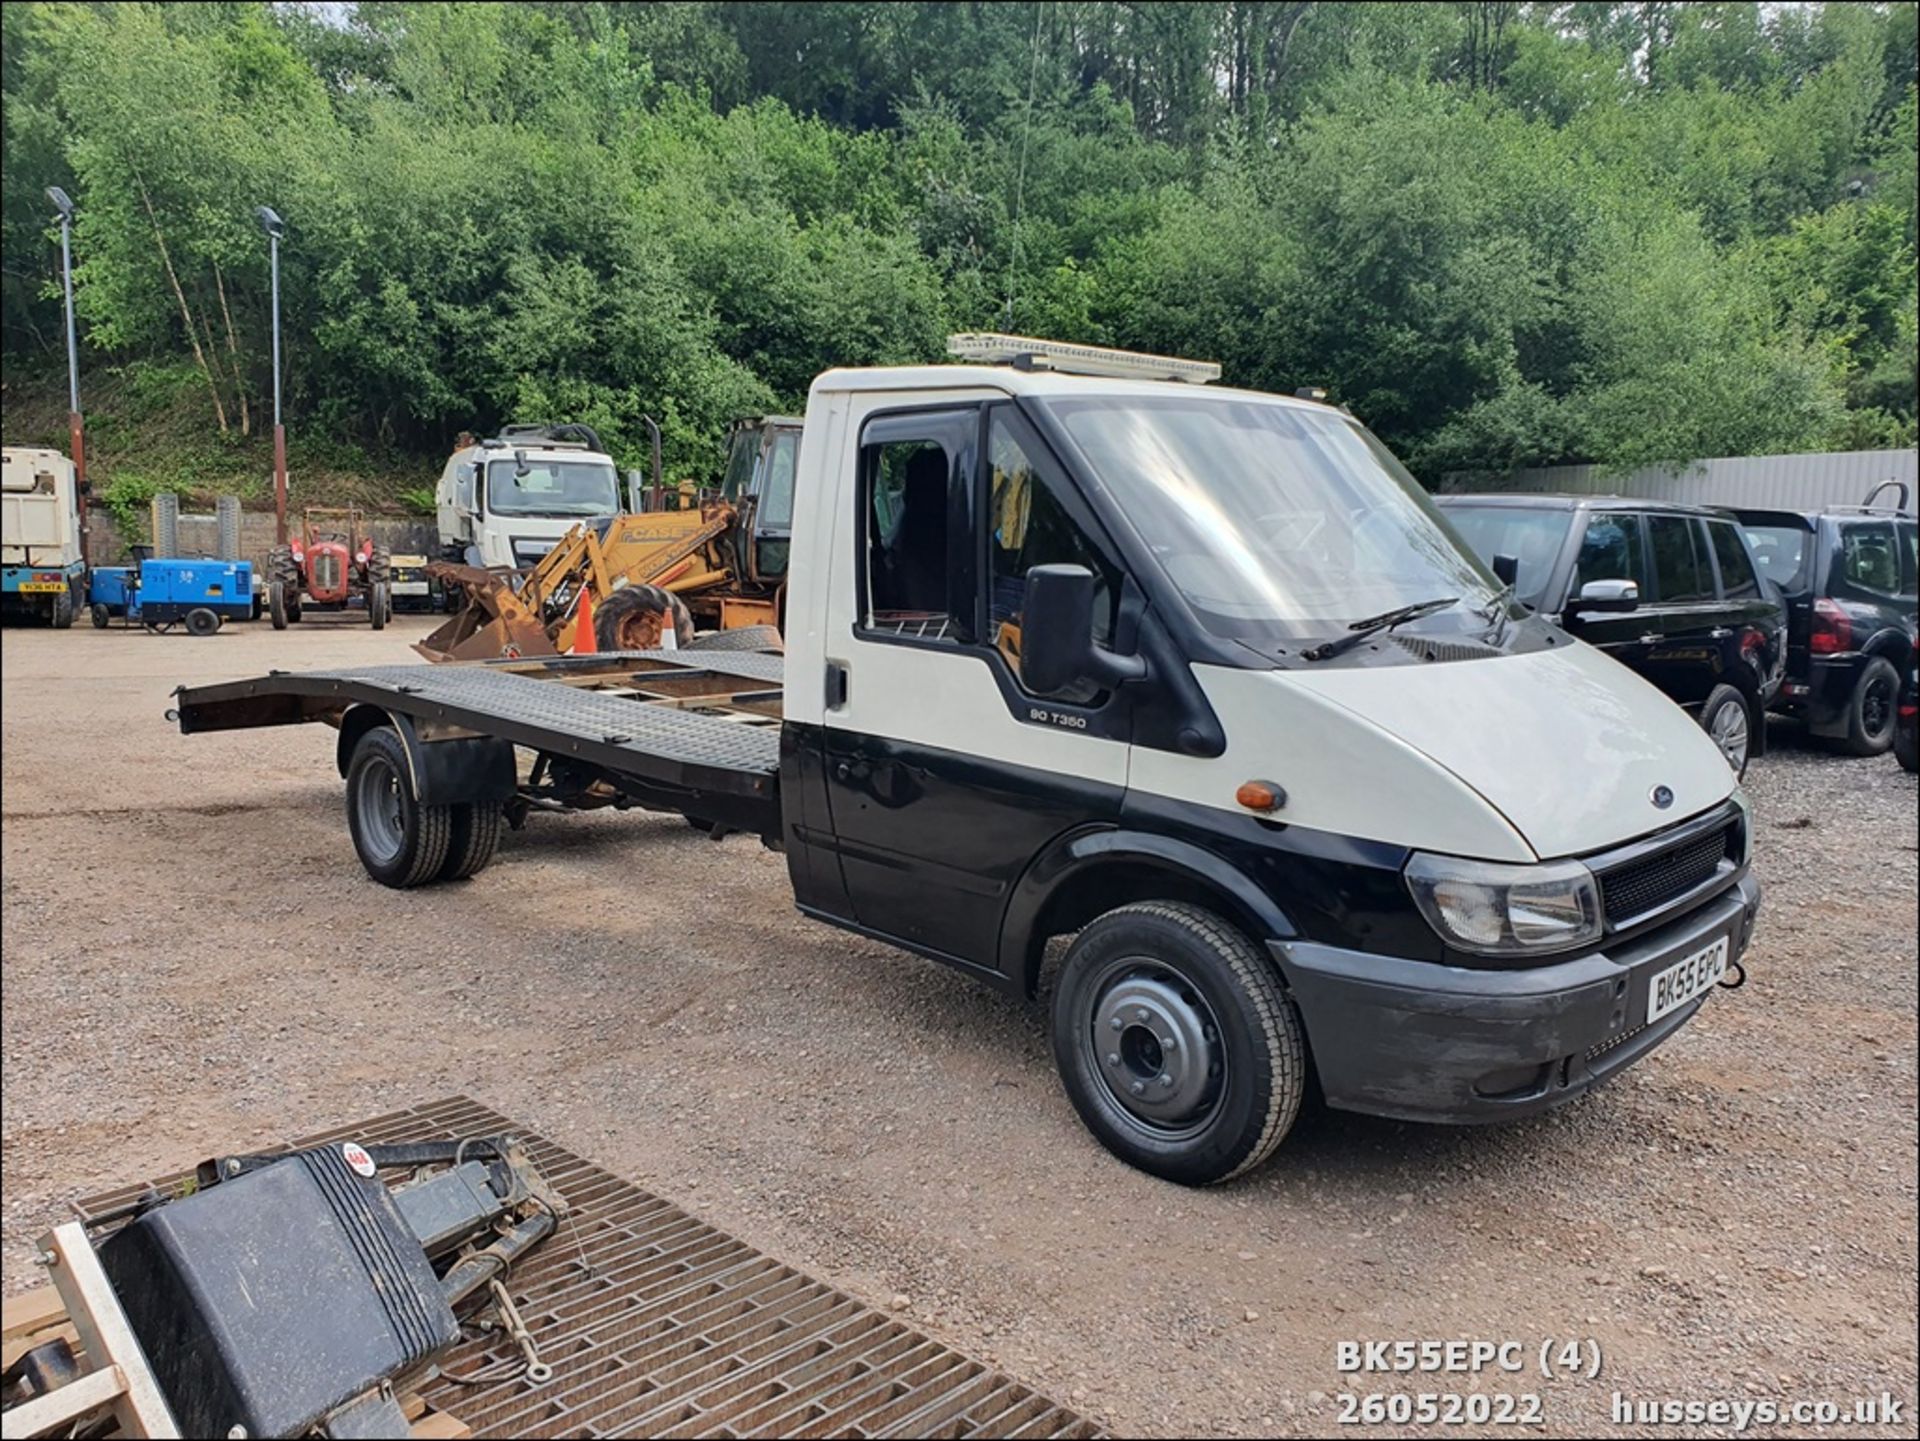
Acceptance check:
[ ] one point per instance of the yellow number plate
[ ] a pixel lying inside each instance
(41, 587)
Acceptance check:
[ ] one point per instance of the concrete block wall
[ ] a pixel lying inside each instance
(200, 535)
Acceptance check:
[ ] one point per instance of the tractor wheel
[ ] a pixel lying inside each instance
(632, 619)
(477, 828)
(277, 602)
(400, 842)
(379, 605)
(281, 567)
(380, 566)
(202, 622)
(102, 617)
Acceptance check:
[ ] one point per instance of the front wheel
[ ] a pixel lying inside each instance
(202, 622)
(1177, 1044)
(101, 617)
(277, 603)
(1727, 719)
(378, 603)
(1872, 708)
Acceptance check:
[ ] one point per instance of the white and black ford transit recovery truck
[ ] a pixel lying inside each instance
(1079, 646)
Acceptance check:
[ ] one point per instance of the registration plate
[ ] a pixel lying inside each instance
(43, 587)
(1685, 980)
(409, 587)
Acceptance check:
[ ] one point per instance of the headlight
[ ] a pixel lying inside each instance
(1746, 824)
(1496, 909)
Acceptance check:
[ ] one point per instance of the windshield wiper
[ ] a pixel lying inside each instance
(1374, 624)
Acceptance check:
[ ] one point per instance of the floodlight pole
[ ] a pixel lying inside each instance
(76, 424)
(272, 224)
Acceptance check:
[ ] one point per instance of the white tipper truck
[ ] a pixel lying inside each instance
(41, 572)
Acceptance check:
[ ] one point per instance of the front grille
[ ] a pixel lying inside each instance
(326, 570)
(1634, 889)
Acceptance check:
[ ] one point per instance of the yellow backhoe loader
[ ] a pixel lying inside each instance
(698, 559)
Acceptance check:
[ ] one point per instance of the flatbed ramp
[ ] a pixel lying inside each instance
(657, 1324)
(705, 719)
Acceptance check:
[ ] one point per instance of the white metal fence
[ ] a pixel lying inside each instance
(1763, 482)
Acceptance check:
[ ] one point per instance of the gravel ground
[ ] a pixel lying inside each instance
(193, 960)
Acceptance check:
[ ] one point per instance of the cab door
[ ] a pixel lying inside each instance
(1686, 661)
(944, 778)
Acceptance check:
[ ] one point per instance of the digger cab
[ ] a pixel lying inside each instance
(763, 454)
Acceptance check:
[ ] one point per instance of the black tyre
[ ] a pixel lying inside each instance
(62, 613)
(746, 637)
(202, 622)
(1177, 1044)
(633, 618)
(1872, 708)
(281, 567)
(400, 842)
(380, 566)
(1728, 719)
(102, 617)
(379, 605)
(1906, 747)
(477, 828)
(277, 602)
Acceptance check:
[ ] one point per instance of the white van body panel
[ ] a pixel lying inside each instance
(1342, 773)
(1512, 758)
(1566, 743)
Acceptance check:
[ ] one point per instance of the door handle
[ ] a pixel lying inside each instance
(1652, 637)
(839, 682)
(1719, 632)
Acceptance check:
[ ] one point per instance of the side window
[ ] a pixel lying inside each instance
(918, 526)
(743, 450)
(1678, 564)
(1909, 557)
(776, 490)
(1868, 559)
(1610, 550)
(1028, 524)
(1737, 580)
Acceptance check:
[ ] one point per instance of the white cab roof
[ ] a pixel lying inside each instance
(1030, 382)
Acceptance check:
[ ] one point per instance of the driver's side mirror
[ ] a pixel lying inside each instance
(1057, 647)
(1608, 595)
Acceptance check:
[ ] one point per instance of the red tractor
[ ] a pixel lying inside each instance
(327, 567)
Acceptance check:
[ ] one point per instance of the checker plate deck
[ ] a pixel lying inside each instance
(657, 1324)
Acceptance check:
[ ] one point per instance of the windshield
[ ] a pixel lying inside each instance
(1778, 550)
(1531, 535)
(1274, 521)
(552, 487)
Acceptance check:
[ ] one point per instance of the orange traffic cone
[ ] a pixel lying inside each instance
(668, 639)
(583, 626)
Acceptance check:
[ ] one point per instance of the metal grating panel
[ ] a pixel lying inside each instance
(657, 1324)
(676, 735)
(1634, 889)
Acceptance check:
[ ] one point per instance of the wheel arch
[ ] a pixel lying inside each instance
(441, 772)
(1085, 873)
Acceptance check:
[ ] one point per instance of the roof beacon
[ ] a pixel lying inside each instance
(1025, 353)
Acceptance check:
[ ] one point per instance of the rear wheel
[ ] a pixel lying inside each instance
(1872, 709)
(477, 828)
(101, 617)
(202, 622)
(400, 842)
(633, 618)
(378, 602)
(62, 613)
(277, 603)
(1727, 718)
(1176, 1043)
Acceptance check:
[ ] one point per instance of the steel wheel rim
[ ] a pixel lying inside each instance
(1729, 732)
(1876, 707)
(378, 802)
(1153, 1042)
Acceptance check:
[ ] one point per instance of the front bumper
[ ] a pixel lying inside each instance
(1423, 1042)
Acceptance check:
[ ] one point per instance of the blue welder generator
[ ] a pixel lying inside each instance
(201, 594)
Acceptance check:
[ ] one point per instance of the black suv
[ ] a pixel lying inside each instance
(1848, 576)
(1671, 591)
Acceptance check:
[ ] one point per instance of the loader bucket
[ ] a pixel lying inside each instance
(486, 620)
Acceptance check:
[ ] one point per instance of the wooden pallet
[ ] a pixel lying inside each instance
(36, 1317)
